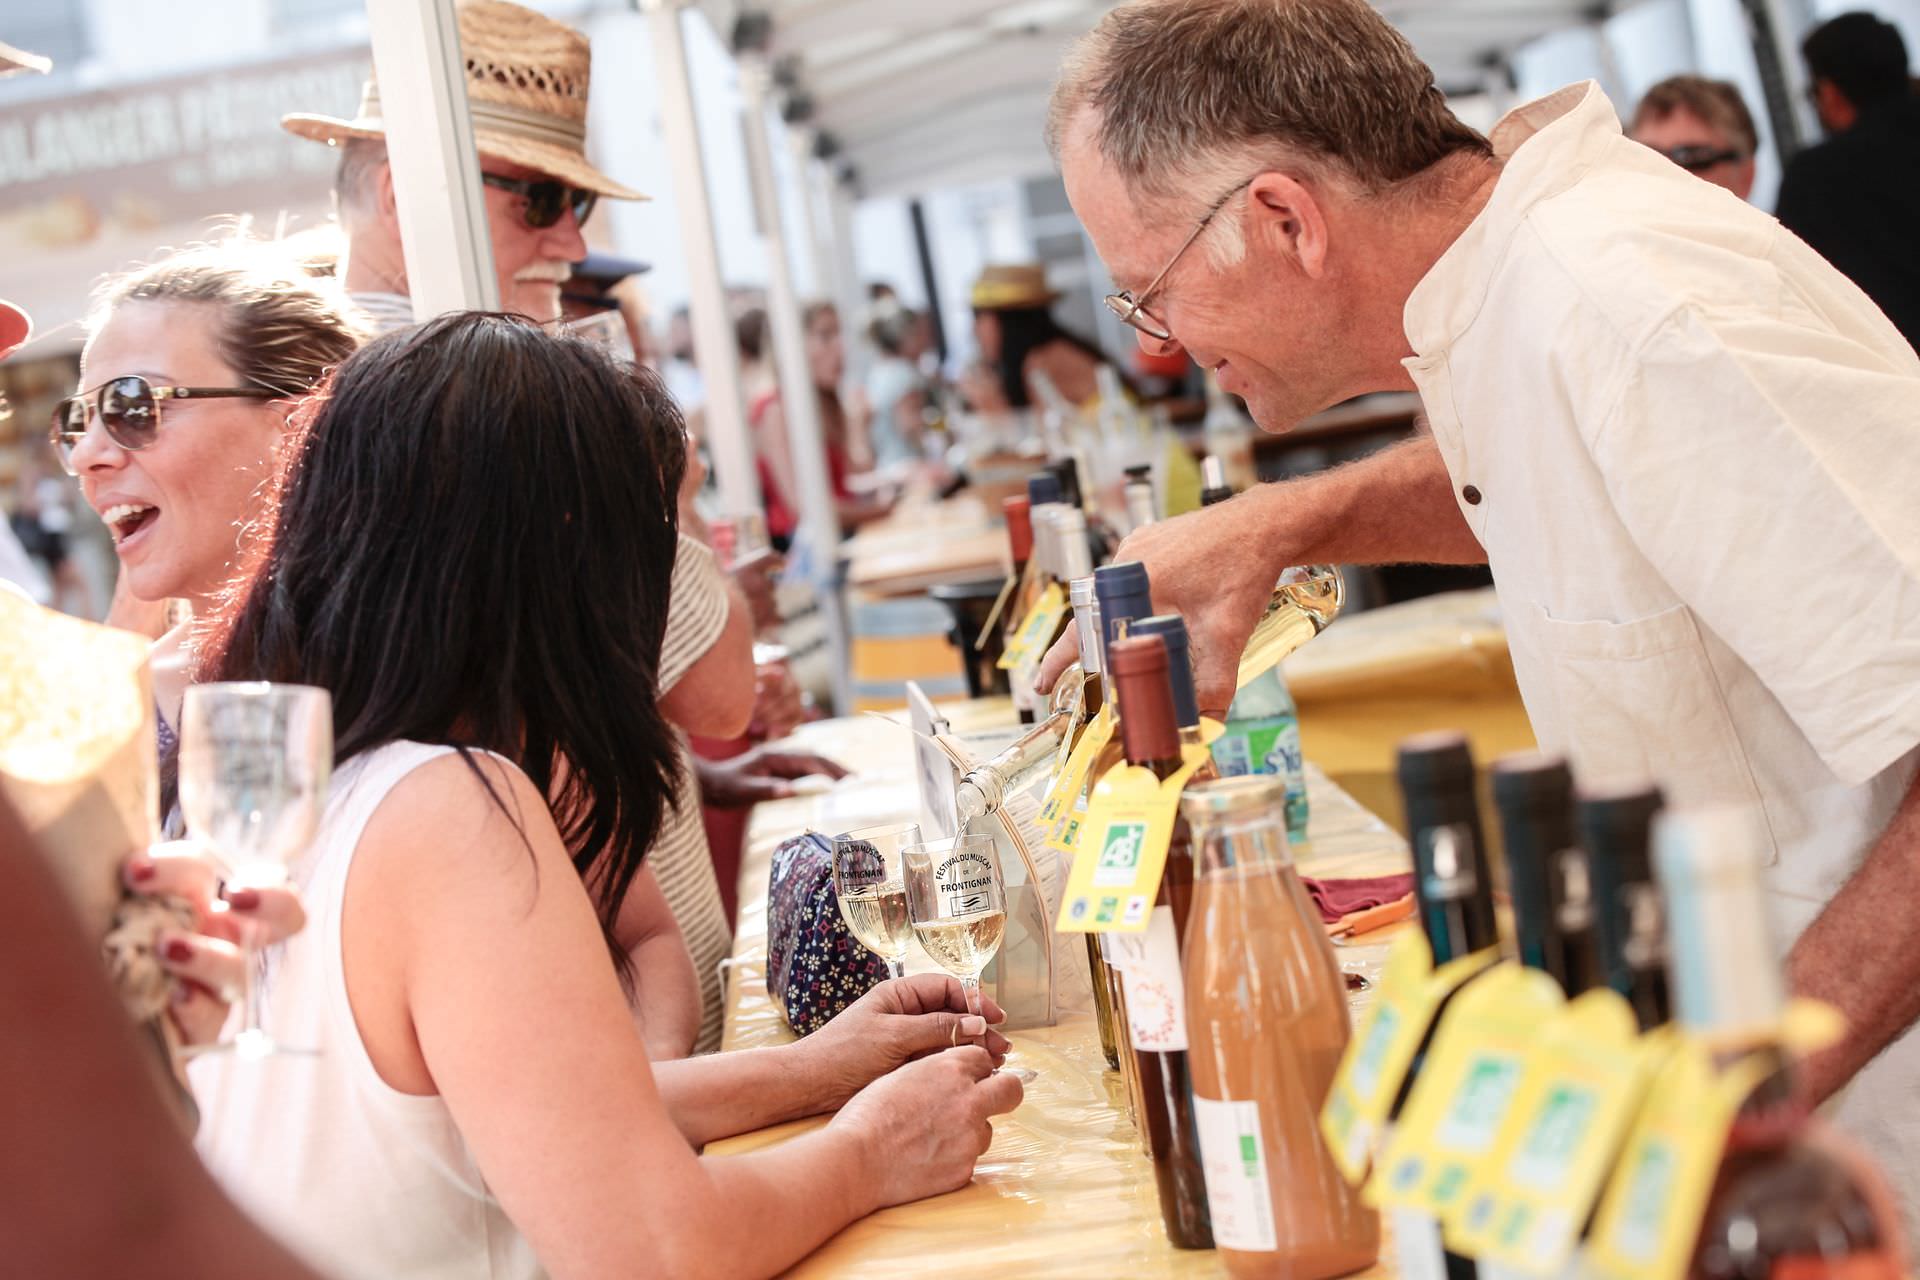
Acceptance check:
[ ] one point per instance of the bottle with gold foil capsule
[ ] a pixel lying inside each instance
(1153, 981)
(1267, 1019)
(1791, 1197)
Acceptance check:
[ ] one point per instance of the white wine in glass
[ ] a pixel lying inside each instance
(873, 899)
(255, 760)
(959, 905)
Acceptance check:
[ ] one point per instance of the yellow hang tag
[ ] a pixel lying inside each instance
(1650, 1212)
(1130, 824)
(1067, 782)
(1036, 629)
(1464, 1090)
(1382, 1049)
(1532, 1198)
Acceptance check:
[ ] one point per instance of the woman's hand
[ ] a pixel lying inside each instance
(898, 1021)
(927, 1124)
(208, 964)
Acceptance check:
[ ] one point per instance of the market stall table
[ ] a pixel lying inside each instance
(1065, 1189)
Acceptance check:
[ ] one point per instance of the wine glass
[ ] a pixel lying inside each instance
(873, 899)
(958, 903)
(254, 764)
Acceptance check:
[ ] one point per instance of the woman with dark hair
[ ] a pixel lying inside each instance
(1018, 338)
(472, 550)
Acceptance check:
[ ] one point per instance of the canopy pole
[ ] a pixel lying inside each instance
(817, 541)
(430, 148)
(713, 342)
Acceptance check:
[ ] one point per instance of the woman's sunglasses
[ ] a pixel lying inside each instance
(546, 200)
(129, 408)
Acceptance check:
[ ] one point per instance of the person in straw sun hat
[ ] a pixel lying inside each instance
(527, 91)
(1018, 337)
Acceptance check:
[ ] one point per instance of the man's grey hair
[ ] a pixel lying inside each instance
(356, 183)
(1188, 97)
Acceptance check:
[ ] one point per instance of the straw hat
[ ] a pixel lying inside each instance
(526, 88)
(1012, 287)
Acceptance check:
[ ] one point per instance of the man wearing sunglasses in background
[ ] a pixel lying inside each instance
(1702, 126)
(527, 90)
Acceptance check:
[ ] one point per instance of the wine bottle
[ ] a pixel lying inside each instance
(1214, 488)
(1024, 587)
(1267, 1022)
(1152, 982)
(1172, 630)
(1791, 1198)
(1303, 602)
(1229, 434)
(1142, 510)
(1547, 875)
(1616, 829)
(1453, 895)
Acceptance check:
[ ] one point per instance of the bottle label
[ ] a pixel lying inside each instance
(1377, 1058)
(1578, 1091)
(1036, 629)
(1464, 1091)
(1129, 827)
(1239, 1198)
(1151, 975)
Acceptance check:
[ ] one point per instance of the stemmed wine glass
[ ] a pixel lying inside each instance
(255, 760)
(873, 898)
(959, 905)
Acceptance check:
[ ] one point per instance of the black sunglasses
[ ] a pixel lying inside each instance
(129, 408)
(546, 199)
(1697, 159)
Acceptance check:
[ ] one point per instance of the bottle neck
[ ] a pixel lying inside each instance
(1452, 888)
(1241, 840)
(1149, 731)
(1726, 979)
(1641, 964)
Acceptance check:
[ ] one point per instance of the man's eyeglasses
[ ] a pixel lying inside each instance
(1135, 313)
(1699, 158)
(129, 408)
(546, 200)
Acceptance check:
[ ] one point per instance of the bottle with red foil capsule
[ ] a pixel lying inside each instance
(1152, 980)
(1792, 1200)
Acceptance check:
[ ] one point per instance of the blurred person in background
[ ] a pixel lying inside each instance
(677, 366)
(1856, 196)
(478, 1102)
(16, 567)
(843, 432)
(1018, 337)
(1703, 126)
(896, 396)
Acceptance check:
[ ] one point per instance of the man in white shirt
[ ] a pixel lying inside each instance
(1686, 446)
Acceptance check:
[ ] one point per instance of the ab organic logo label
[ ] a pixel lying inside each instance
(1120, 853)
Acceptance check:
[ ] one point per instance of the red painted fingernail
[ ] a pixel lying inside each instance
(179, 950)
(140, 872)
(243, 899)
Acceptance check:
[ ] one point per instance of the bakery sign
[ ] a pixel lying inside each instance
(94, 182)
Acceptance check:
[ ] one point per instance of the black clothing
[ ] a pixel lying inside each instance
(1856, 199)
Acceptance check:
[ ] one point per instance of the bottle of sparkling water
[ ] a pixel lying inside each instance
(1263, 736)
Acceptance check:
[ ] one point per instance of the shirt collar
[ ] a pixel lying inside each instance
(1543, 148)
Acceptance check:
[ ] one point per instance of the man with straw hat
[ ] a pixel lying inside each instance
(527, 92)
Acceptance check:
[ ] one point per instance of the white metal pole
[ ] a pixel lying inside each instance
(819, 519)
(713, 342)
(436, 169)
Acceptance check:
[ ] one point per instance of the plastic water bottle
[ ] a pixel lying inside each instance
(1263, 736)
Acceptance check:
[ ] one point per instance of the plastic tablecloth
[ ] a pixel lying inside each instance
(1065, 1189)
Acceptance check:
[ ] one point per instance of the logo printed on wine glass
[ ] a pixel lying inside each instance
(1120, 854)
(964, 881)
(861, 864)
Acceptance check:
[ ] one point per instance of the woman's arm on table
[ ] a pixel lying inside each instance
(666, 991)
(477, 971)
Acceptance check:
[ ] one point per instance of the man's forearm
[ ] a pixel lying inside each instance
(1859, 954)
(721, 1094)
(1393, 507)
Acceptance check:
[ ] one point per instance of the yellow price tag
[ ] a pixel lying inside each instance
(1036, 629)
(1390, 1033)
(1462, 1095)
(1067, 783)
(1529, 1202)
(1131, 818)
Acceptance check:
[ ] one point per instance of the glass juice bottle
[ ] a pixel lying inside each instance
(1267, 1020)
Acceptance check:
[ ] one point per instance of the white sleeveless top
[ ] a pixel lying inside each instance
(360, 1179)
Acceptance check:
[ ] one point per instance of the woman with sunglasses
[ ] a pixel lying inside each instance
(480, 1103)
